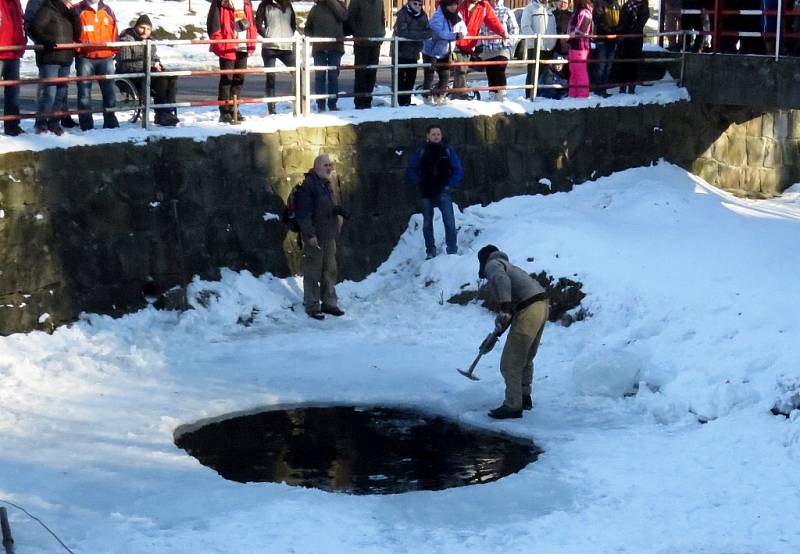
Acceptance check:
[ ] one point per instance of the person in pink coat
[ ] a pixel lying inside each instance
(580, 27)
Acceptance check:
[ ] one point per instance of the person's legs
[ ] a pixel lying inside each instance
(10, 72)
(579, 76)
(335, 59)
(60, 102)
(84, 68)
(237, 80)
(329, 275)
(446, 208)
(460, 76)
(108, 91)
(320, 76)
(405, 81)
(224, 91)
(539, 312)
(46, 95)
(427, 73)
(427, 226)
(373, 57)
(312, 274)
(269, 55)
(443, 71)
(524, 330)
(288, 60)
(364, 54)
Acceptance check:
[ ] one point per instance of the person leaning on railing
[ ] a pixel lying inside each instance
(476, 14)
(326, 19)
(95, 22)
(231, 19)
(53, 23)
(537, 19)
(275, 19)
(411, 22)
(447, 26)
(12, 33)
(632, 21)
(366, 20)
(498, 50)
(131, 59)
(580, 27)
(562, 15)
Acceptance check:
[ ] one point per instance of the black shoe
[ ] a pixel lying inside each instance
(271, 108)
(13, 131)
(316, 315)
(225, 117)
(240, 117)
(111, 123)
(603, 93)
(332, 310)
(166, 120)
(68, 122)
(527, 403)
(504, 412)
(321, 106)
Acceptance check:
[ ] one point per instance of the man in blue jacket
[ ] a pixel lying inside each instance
(436, 170)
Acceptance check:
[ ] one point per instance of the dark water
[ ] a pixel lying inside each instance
(356, 450)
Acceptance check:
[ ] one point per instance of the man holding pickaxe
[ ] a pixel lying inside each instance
(524, 307)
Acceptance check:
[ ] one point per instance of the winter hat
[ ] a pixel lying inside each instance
(143, 20)
(483, 257)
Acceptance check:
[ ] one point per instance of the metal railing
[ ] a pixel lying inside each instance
(303, 70)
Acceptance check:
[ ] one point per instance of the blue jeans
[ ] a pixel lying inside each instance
(327, 57)
(445, 205)
(52, 98)
(10, 72)
(606, 52)
(87, 67)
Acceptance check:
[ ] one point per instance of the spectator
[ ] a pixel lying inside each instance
(524, 305)
(580, 27)
(52, 24)
(231, 19)
(606, 22)
(131, 59)
(436, 170)
(320, 221)
(411, 22)
(367, 20)
(562, 14)
(553, 74)
(446, 27)
(537, 19)
(476, 14)
(276, 19)
(12, 33)
(95, 23)
(632, 20)
(692, 22)
(326, 19)
(498, 50)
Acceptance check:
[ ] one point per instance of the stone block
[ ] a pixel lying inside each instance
(794, 124)
(750, 179)
(706, 169)
(373, 133)
(756, 148)
(737, 130)
(781, 125)
(402, 134)
(312, 135)
(729, 177)
(737, 151)
(341, 135)
(298, 159)
(499, 130)
(753, 127)
(770, 181)
(720, 148)
(791, 153)
(267, 158)
(767, 125)
(773, 154)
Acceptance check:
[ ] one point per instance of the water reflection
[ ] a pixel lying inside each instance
(356, 450)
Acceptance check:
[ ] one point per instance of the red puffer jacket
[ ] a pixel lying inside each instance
(11, 30)
(481, 13)
(221, 18)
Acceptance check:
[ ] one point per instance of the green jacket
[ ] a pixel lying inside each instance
(326, 19)
(366, 18)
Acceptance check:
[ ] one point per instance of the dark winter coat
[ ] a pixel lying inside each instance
(220, 25)
(130, 59)
(632, 20)
(316, 209)
(408, 24)
(53, 23)
(326, 19)
(268, 23)
(562, 25)
(549, 76)
(366, 18)
(509, 283)
(433, 168)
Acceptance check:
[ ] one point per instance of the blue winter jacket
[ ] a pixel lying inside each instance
(442, 34)
(413, 171)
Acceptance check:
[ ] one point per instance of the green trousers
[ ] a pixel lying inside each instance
(516, 362)
(319, 276)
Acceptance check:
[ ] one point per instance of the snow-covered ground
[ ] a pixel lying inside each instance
(695, 318)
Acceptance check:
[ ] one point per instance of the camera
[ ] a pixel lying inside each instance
(241, 25)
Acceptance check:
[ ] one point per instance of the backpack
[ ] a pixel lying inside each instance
(611, 15)
(288, 215)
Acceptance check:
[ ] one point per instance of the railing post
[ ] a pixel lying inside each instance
(148, 55)
(683, 58)
(778, 24)
(298, 62)
(535, 82)
(307, 76)
(715, 29)
(395, 70)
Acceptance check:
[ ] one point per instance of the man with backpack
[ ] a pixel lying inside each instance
(319, 219)
(436, 170)
(606, 22)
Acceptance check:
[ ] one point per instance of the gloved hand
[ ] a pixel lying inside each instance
(501, 322)
(488, 343)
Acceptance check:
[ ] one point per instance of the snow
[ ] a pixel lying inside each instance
(694, 319)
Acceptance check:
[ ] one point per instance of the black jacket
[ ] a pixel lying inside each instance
(53, 23)
(130, 59)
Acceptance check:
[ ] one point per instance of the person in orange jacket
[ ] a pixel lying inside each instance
(231, 19)
(475, 14)
(95, 22)
(12, 33)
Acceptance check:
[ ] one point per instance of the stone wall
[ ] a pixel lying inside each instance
(104, 228)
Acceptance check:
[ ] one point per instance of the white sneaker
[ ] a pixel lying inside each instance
(492, 96)
(430, 101)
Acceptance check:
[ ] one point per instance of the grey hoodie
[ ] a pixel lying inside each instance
(507, 282)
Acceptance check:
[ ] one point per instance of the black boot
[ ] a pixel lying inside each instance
(68, 122)
(504, 412)
(527, 403)
(332, 310)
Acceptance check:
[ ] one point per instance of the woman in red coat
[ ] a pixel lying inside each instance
(231, 19)
(11, 34)
(475, 14)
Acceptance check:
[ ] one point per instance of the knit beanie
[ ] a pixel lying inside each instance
(143, 20)
(483, 257)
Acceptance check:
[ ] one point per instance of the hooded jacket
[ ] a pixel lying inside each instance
(475, 16)
(366, 19)
(443, 34)
(410, 25)
(430, 174)
(316, 209)
(507, 282)
(538, 19)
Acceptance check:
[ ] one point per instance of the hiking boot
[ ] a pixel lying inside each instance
(40, 130)
(225, 117)
(504, 412)
(68, 122)
(56, 130)
(13, 131)
(166, 120)
(271, 108)
(332, 310)
(110, 122)
(316, 315)
(239, 116)
(527, 403)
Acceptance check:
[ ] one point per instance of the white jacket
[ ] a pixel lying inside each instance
(538, 19)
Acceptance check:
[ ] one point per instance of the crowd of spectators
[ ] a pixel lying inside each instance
(446, 40)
